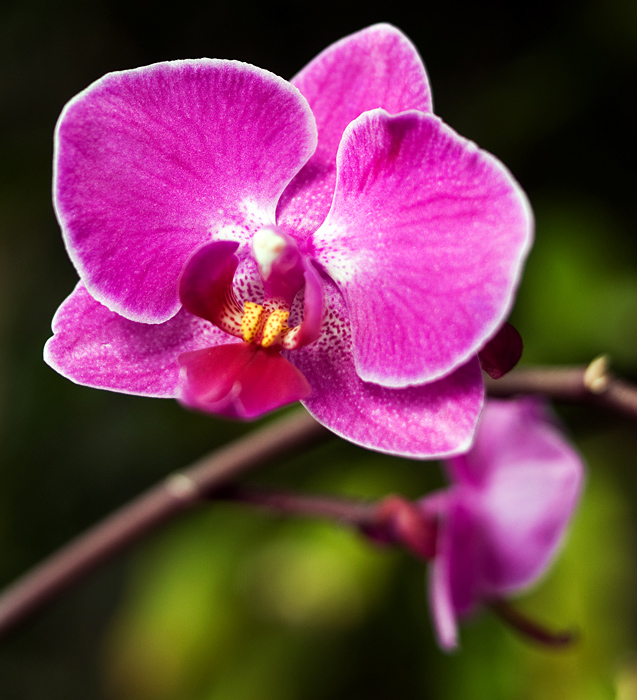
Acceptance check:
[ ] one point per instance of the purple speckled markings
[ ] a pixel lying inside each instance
(244, 242)
(503, 519)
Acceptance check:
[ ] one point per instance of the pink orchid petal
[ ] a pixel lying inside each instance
(99, 348)
(440, 601)
(376, 67)
(310, 327)
(465, 552)
(438, 505)
(426, 239)
(206, 286)
(529, 496)
(455, 583)
(427, 421)
(241, 380)
(312, 306)
(154, 162)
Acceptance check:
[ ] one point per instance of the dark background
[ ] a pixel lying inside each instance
(230, 605)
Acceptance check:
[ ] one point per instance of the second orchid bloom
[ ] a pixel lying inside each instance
(501, 522)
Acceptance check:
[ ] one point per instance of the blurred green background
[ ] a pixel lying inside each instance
(228, 604)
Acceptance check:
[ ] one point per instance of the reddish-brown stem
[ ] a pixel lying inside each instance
(276, 440)
(347, 511)
(531, 629)
(570, 384)
(176, 494)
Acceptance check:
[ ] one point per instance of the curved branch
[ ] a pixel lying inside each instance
(347, 511)
(531, 629)
(176, 494)
(278, 439)
(593, 384)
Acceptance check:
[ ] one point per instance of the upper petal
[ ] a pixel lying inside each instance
(97, 347)
(376, 67)
(427, 421)
(151, 163)
(426, 238)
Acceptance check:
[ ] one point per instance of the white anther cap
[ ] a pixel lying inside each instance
(267, 245)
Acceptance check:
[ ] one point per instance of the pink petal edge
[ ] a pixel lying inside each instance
(96, 347)
(433, 420)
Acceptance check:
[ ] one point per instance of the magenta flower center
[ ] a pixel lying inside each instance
(284, 274)
(249, 378)
(263, 327)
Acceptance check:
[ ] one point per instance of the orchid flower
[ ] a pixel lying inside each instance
(502, 521)
(244, 242)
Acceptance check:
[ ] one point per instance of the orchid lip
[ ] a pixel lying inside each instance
(247, 379)
(239, 380)
(207, 290)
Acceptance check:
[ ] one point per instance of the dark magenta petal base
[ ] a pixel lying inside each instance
(240, 380)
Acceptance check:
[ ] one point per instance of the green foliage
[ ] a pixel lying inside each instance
(579, 294)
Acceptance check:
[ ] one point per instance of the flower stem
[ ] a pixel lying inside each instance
(347, 511)
(176, 494)
(593, 385)
(530, 628)
(209, 477)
